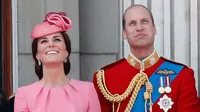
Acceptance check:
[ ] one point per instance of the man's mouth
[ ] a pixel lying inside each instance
(140, 35)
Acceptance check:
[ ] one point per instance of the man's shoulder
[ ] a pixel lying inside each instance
(175, 62)
(114, 64)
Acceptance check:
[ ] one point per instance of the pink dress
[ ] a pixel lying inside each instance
(77, 96)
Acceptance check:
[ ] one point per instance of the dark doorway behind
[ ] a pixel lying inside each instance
(1, 76)
(6, 47)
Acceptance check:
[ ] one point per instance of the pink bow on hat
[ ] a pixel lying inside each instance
(53, 23)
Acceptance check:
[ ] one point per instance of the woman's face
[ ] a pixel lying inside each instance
(52, 49)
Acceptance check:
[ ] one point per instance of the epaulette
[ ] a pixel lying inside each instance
(112, 64)
(11, 96)
(175, 62)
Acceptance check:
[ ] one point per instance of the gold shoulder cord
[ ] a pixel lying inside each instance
(134, 86)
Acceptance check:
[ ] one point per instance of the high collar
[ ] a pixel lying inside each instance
(145, 63)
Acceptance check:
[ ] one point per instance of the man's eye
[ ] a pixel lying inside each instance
(145, 21)
(132, 23)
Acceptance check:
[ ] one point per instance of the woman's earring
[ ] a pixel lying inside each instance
(39, 62)
(65, 60)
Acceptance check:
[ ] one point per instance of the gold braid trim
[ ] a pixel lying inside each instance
(141, 82)
(116, 98)
(134, 87)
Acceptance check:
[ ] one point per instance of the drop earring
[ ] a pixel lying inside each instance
(39, 62)
(65, 60)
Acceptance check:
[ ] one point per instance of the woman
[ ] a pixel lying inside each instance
(55, 91)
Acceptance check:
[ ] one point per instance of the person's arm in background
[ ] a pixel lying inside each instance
(10, 105)
(3, 101)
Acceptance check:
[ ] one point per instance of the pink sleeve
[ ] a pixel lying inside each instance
(20, 104)
(94, 105)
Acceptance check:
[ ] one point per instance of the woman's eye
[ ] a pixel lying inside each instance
(57, 39)
(43, 41)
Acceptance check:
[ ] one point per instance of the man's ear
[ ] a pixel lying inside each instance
(155, 31)
(124, 34)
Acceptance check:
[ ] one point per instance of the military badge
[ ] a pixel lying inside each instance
(165, 72)
(165, 103)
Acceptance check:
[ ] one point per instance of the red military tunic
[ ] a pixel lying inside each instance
(118, 75)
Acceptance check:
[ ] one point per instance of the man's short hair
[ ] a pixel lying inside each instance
(123, 18)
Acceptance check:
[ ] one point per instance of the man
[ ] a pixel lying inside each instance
(145, 81)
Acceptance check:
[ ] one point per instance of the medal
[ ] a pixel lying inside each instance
(161, 89)
(167, 88)
(165, 103)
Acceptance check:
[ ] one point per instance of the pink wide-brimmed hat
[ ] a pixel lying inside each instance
(54, 22)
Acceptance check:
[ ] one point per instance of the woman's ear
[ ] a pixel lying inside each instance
(37, 56)
(67, 54)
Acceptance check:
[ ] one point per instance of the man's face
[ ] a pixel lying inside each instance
(139, 29)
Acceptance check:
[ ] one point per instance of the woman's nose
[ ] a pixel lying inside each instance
(51, 44)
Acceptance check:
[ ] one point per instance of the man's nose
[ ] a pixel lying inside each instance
(139, 27)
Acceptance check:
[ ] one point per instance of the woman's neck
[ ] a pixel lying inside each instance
(54, 76)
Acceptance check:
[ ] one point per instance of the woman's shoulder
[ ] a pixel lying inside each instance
(81, 85)
(29, 88)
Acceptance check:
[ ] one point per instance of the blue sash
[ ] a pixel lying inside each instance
(154, 79)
